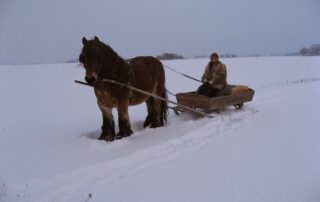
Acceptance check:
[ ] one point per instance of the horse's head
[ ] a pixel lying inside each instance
(90, 58)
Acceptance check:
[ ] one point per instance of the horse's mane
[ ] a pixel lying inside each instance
(113, 64)
(108, 53)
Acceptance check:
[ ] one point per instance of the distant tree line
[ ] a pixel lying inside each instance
(312, 50)
(200, 56)
(169, 56)
(228, 56)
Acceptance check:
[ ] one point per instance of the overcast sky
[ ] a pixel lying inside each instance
(48, 31)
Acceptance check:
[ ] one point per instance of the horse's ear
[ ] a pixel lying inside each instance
(96, 38)
(84, 40)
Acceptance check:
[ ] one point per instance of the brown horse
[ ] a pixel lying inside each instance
(146, 73)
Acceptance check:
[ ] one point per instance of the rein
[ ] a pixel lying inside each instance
(185, 75)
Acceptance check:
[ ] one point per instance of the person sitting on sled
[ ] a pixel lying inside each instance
(214, 78)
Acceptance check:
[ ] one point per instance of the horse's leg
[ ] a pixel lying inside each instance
(124, 122)
(149, 118)
(154, 111)
(108, 131)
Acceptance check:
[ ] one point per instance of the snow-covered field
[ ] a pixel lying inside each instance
(270, 151)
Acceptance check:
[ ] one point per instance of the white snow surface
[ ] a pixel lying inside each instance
(269, 151)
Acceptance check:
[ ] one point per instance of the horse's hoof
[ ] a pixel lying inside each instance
(108, 138)
(152, 122)
(123, 134)
(155, 124)
(129, 132)
(102, 137)
(147, 122)
(118, 137)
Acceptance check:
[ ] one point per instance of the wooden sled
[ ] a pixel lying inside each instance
(238, 95)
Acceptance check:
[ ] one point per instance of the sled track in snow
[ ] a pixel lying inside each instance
(181, 137)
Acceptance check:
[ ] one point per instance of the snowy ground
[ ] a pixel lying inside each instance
(270, 151)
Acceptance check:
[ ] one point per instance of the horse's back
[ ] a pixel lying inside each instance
(146, 62)
(148, 68)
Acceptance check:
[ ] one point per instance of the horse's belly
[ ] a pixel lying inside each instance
(137, 98)
(107, 99)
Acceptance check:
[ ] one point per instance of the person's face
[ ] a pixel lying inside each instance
(214, 59)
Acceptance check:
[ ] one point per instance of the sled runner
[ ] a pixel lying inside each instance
(240, 95)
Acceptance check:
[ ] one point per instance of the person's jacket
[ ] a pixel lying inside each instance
(216, 75)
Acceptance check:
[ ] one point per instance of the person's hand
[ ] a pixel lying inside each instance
(208, 81)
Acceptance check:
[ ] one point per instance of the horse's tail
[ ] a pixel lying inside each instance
(164, 108)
